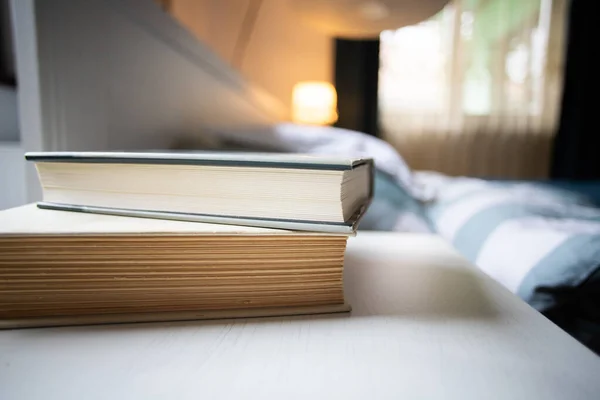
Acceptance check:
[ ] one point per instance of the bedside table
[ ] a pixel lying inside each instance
(425, 324)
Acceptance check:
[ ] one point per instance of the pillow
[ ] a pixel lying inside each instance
(394, 209)
(540, 243)
(295, 138)
(394, 206)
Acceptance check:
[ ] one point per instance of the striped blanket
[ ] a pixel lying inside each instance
(540, 243)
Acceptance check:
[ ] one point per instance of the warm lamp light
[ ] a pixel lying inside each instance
(364, 18)
(314, 103)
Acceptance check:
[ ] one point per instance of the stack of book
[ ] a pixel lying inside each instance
(157, 237)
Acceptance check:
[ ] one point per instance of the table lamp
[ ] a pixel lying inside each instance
(314, 103)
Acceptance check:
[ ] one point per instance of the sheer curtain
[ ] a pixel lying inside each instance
(476, 89)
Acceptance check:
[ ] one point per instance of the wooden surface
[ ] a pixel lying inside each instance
(424, 325)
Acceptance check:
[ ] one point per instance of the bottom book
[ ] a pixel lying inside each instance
(64, 268)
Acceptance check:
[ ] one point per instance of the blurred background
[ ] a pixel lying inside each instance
(479, 113)
(480, 88)
(474, 89)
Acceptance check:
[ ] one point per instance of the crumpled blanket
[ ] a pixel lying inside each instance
(289, 137)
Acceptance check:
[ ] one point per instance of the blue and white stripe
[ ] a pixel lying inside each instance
(526, 236)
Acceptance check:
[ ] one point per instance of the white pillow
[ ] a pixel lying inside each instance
(309, 139)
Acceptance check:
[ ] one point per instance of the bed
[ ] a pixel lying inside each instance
(541, 239)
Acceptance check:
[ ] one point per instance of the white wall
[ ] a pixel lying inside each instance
(282, 50)
(13, 191)
(122, 74)
(9, 121)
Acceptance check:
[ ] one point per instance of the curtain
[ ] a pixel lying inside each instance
(475, 90)
(577, 141)
(356, 82)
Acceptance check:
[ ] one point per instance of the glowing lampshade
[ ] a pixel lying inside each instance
(314, 103)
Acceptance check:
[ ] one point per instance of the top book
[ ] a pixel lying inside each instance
(288, 191)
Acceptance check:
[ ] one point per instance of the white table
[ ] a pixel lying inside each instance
(425, 325)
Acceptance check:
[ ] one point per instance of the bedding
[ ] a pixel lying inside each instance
(394, 209)
(309, 139)
(398, 201)
(540, 242)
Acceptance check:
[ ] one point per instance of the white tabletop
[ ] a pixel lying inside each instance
(425, 325)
